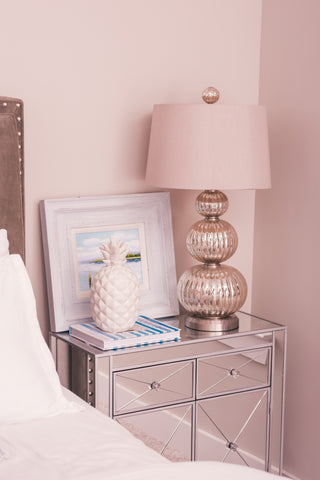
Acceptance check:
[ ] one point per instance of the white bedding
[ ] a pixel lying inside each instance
(87, 445)
(79, 445)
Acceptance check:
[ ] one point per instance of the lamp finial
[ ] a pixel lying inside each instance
(210, 95)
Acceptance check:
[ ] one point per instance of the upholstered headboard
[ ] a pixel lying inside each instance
(12, 173)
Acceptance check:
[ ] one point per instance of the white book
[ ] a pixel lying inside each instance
(144, 332)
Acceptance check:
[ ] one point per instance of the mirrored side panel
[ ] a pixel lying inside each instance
(102, 382)
(277, 401)
(76, 368)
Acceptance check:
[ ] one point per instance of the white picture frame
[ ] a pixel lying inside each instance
(71, 225)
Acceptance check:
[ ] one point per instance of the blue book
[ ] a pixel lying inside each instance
(144, 332)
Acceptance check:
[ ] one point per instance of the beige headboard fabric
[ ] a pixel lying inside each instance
(12, 173)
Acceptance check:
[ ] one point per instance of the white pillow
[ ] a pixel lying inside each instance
(4, 244)
(30, 385)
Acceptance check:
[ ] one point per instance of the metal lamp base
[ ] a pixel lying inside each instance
(212, 324)
(211, 292)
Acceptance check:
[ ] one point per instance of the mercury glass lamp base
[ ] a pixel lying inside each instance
(212, 324)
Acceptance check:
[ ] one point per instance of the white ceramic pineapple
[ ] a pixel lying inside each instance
(115, 290)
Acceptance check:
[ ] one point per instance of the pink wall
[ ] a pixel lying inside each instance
(287, 226)
(89, 72)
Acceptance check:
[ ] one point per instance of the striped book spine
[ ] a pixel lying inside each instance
(145, 331)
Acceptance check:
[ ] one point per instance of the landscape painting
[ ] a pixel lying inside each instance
(88, 257)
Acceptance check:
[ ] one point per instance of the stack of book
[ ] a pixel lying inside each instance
(145, 331)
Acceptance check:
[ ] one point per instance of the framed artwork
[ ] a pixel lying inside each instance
(74, 229)
(87, 255)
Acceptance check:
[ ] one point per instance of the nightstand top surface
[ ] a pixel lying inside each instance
(248, 325)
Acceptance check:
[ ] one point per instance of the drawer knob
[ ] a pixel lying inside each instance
(234, 373)
(232, 446)
(155, 385)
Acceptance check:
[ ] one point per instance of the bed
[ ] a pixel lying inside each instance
(87, 445)
(46, 432)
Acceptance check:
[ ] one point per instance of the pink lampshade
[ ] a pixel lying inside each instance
(201, 146)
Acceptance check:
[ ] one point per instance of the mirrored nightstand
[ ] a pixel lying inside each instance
(208, 396)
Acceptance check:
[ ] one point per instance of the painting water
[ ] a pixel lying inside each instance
(89, 257)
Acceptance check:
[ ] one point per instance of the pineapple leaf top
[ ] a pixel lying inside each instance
(114, 252)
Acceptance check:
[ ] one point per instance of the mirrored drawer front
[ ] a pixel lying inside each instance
(167, 430)
(233, 372)
(234, 428)
(146, 387)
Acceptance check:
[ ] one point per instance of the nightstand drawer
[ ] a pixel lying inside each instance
(168, 430)
(146, 387)
(233, 372)
(234, 428)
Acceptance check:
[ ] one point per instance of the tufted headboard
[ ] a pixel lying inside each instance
(12, 173)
